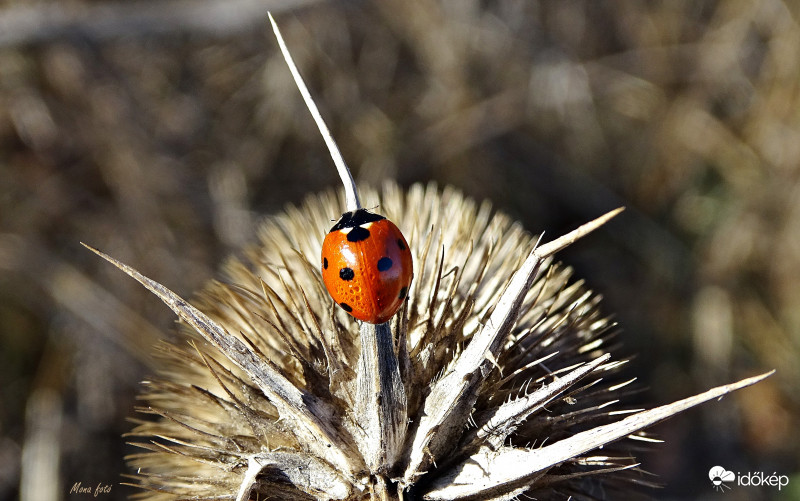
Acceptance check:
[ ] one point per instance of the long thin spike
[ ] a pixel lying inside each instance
(351, 195)
(559, 243)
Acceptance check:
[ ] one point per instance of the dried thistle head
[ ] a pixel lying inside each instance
(493, 381)
(495, 378)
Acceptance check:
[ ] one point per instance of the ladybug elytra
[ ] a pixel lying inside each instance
(366, 266)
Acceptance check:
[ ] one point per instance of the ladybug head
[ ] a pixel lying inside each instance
(355, 218)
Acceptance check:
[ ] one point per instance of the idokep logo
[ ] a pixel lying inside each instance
(720, 478)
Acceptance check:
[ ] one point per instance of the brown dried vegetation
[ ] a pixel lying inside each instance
(163, 142)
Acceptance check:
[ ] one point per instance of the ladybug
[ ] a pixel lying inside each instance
(366, 266)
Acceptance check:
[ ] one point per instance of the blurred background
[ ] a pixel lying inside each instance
(161, 131)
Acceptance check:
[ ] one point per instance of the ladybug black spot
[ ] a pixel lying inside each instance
(401, 244)
(324, 263)
(384, 263)
(346, 307)
(346, 274)
(357, 234)
(403, 293)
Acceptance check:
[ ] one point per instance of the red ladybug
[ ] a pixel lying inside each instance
(366, 266)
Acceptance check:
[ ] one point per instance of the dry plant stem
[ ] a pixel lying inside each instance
(382, 397)
(502, 472)
(351, 194)
(313, 417)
